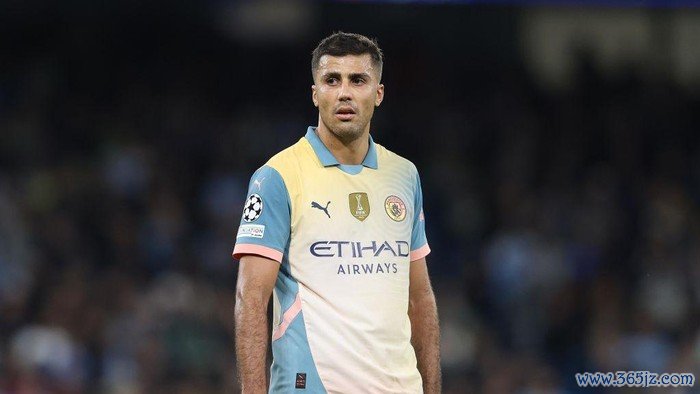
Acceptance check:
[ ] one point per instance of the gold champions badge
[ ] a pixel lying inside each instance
(359, 205)
(395, 208)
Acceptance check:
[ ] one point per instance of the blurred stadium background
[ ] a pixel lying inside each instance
(558, 147)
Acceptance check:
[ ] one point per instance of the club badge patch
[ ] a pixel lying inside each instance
(395, 208)
(253, 208)
(359, 205)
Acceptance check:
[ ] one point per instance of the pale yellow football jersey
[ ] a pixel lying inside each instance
(345, 237)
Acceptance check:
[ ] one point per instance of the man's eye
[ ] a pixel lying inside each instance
(332, 81)
(358, 81)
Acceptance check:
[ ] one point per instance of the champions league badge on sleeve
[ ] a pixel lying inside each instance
(395, 208)
(253, 208)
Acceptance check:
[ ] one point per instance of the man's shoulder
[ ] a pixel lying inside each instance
(288, 158)
(288, 164)
(394, 160)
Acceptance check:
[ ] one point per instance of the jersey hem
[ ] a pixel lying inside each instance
(241, 250)
(420, 253)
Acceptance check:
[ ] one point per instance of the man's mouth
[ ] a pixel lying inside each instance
(345, 113)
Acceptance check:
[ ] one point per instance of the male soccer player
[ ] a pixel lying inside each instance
(334, 225)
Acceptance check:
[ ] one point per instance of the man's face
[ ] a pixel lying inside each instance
(346, 90)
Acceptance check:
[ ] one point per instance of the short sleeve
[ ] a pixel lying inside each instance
(265, 223)
(419, 242)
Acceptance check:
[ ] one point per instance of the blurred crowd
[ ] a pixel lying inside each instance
(565, 225)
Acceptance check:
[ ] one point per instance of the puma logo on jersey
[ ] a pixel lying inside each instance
(258, 183)
(316, 205)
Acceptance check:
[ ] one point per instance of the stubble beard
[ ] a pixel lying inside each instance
(346, 132)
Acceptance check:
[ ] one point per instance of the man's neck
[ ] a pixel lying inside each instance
(353, 152)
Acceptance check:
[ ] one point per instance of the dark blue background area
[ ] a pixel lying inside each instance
(563, 222)
(582, 3)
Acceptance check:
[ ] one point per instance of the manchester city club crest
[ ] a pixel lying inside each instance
(395, 208)
(359, 205)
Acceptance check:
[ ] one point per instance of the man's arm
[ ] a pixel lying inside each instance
(256, 279)
(425, 330)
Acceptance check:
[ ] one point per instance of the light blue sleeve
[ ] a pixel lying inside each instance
(265, 223)
(419, 242)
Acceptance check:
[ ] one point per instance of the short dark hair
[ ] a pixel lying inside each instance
(343, 44)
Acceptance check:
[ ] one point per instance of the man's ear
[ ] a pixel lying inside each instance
(380, 95)
(313, 95)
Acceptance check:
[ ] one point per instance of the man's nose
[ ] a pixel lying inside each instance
(345, 93)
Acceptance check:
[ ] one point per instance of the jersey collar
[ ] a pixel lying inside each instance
(327, 158)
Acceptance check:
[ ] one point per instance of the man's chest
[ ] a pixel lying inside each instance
(351, 230)
(365, 207)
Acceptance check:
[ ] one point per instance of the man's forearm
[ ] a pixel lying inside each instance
(425, 338)
(251, 344)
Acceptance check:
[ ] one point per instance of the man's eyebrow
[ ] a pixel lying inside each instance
(336, 74)
(331, 74)
(360, 75)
